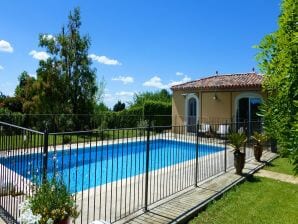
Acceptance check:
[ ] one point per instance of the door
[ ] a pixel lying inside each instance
(192, 115)
(247, 113)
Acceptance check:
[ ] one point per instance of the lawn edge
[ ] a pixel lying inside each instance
(193, 212)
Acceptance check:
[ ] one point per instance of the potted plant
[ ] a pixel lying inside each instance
(259, 139)
(52, 203)
(238, 140)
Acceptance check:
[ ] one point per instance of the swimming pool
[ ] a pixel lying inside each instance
(91, 166)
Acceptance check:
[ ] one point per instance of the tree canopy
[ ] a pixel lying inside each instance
(160, 96)
(119, 106)
(278, 61)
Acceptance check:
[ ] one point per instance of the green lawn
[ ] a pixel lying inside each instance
(35, 140)
(280, 165)
(259, 200)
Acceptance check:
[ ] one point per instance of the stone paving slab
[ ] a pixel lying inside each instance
(277, 176)
(186, 205)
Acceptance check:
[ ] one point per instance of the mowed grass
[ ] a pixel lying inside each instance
(259, 200)
(281, 165)
(33, 140)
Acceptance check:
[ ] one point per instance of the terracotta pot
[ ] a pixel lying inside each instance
(258, 150)
(65, 221)
(239, 161)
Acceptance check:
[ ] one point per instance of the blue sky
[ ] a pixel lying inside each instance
(140, 45)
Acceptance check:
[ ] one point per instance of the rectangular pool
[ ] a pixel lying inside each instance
(91, 166)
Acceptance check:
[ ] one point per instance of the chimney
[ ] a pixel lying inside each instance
(216, 72)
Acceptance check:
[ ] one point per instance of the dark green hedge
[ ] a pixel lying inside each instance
(158, 112)
(124, 119)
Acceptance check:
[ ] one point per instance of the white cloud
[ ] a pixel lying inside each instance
(185, 79)
(125, 94)
(5, 46)
(179, 73)
(108, 97)
(104, 60)
(124, 79)
(1, 67)
(39, 55)
(48, 37)
(33, 75)
(155, 82)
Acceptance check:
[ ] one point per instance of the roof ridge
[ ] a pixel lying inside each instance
(218, 75)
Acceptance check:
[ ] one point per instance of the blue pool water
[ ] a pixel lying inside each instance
(88, 167)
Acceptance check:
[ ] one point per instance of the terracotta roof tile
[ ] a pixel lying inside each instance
(225, 81)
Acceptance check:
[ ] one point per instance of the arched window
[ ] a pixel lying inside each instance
(191, 112)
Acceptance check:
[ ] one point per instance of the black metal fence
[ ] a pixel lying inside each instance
(114, 173)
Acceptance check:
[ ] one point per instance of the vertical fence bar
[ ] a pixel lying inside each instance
(226, 139)
(197, 155)
(147, 166)
(45, 156)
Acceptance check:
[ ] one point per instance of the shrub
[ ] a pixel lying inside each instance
(52, 201)
(158, 112)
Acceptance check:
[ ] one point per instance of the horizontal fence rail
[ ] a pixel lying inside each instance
(114, 173)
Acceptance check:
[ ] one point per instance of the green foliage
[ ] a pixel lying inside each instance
(278, 61)
(119, 106)
(11, 117)
(161, 96)
(13, 104)
(127, 118)
(2, 98)
(281, 165)
(66, 83)
(53, 200)
(158, 112)
(259, 138)
(237, 140)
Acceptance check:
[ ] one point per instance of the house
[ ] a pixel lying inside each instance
(218, 98)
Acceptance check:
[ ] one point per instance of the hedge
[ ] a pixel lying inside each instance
(158, 112)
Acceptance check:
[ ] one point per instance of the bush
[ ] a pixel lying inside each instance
(11, 117)
(124, 119)
(158, 112)
(53, 201)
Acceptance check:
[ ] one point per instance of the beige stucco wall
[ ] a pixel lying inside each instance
(216, 110)
(210, 110)
(178, 110)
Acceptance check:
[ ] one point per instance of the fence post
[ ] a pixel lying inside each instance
(197, 156)
(45, 155)
(147, 166)
(226, 139)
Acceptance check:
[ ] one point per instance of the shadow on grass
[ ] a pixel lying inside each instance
(268, 163)
(251, 178)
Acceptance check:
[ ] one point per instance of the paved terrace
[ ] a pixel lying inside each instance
(172, 195)
(185, 206)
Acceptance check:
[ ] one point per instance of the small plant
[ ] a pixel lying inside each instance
(238, 140)
(52, 203)
(259, 139)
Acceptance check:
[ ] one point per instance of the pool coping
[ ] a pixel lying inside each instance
(173, 211)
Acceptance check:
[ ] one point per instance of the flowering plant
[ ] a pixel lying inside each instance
(51, 203)
(26, 216)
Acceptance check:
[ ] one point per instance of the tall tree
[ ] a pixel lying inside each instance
(119, 106)
(25, 91)
(66, 83)
(278, 61)
(69, 67)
